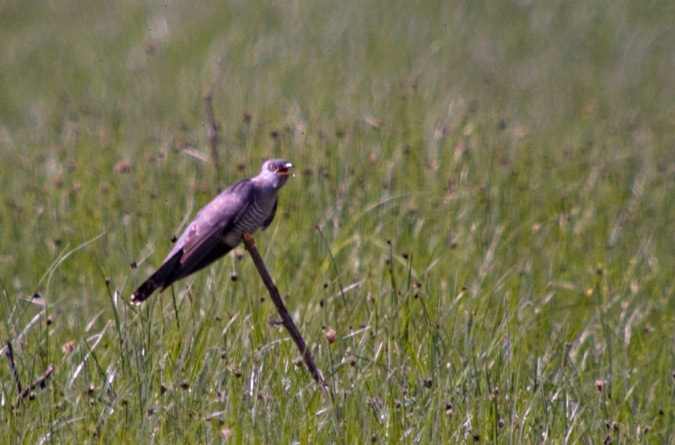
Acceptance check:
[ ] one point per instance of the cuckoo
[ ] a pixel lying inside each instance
(220, 226)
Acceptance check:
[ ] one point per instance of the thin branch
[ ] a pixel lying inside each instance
(212, 131)
(41, 382)
(286, 319)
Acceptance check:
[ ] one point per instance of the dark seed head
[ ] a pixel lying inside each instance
(246, 117)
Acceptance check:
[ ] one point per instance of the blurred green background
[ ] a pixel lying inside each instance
(482, 210)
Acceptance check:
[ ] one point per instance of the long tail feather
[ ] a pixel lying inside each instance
(162, 278)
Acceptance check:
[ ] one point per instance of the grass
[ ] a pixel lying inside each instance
(482, 211)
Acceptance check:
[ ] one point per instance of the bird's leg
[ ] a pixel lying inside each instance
(249, 241)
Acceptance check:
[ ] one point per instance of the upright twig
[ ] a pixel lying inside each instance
(212, 132)
(286, 319)
(10, 356)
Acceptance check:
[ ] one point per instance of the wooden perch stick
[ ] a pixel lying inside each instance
(286, 319)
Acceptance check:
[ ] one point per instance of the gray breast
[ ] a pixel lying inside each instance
(251, 221)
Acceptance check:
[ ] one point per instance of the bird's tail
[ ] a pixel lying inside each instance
(145, 290)
(164, 276)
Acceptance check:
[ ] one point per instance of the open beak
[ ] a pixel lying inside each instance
(283, 170)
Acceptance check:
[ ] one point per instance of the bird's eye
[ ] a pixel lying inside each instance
(272, 167)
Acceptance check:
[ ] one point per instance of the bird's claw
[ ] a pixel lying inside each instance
(249, 241)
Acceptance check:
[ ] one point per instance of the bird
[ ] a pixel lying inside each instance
(220, 226)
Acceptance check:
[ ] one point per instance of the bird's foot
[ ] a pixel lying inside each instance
(249, 241)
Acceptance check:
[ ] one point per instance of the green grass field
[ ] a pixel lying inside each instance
(482, 210)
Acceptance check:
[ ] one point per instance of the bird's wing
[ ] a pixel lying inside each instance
(202, 241)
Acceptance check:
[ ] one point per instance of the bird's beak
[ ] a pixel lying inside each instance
(283, 170)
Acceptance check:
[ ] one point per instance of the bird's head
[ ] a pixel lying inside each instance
(274, 173)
